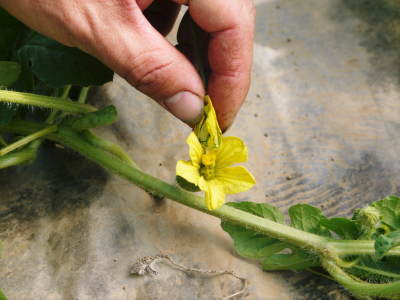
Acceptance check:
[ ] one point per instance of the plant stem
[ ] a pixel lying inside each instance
(26, 155)
(45, 102)
(83, 94)
(322, 245)
(358, 287)
(358, 247)
(28, 139)
(109, 146)
(377, 271)
(76, 142)
(53, 114)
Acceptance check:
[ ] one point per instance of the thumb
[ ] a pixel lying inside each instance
(140, 54)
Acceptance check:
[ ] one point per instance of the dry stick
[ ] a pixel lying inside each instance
(145, 265)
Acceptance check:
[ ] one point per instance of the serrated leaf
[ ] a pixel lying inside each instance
(308, 218)
(344, 228)
(389, 209)
(384, 243)
(9, 72)
(58, 65)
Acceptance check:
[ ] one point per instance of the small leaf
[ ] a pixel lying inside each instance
(186, 185)
(384, 243)
(389, 209)
(9, 72)
(344, 228)
(308, 218)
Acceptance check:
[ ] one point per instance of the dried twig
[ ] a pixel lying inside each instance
(145, 265)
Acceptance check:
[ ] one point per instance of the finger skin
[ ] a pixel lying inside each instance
(118, 34)
(231, 28)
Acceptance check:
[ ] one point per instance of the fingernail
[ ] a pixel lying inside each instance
(186, 106)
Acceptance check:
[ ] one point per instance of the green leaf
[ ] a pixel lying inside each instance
(384, 243)
(58, 65)
(308, 218)
(9, 72)
(344, 228)
(298, 260)
(2, 296)
(250, 243)
(10, 29)
(263, 210)
(7, 112)
(186, 185)
(389, 209)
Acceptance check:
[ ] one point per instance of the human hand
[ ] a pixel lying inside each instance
(119, 34)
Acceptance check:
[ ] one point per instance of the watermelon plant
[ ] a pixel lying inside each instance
(361, 253)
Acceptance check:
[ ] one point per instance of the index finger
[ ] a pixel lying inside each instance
(230, 51)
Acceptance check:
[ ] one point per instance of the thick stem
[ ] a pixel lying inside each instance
(358, 287)
(45, 102)
(358, 247)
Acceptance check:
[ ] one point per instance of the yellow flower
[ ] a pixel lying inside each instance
(211, 156)
(210, 171)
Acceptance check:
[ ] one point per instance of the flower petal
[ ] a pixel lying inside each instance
(215, 196)
(235, 179)
(207, 130)
(188, 171)
(195, 149)
(232, 151)
(214, 141)
(203, 184)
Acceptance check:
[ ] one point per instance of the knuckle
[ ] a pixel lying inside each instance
(148, 69)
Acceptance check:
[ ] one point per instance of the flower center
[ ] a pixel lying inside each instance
(207, 166)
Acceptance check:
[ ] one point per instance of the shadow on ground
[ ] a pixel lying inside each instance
(59, 182)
